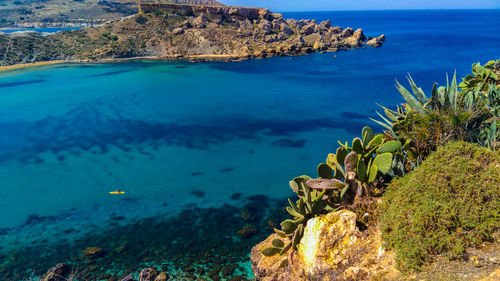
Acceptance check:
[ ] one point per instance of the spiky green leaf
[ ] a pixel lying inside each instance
(412, 102)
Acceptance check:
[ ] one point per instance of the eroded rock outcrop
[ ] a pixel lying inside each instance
(332, 248)
(171, 31)
(376, 42)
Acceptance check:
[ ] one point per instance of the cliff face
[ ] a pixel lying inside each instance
(212, 12)
(166, 31)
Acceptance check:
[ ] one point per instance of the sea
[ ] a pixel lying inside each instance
(202, 151)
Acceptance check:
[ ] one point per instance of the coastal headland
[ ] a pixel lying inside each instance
(183, 31)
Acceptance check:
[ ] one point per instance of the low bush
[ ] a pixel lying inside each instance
(141, 19)
(448, 203)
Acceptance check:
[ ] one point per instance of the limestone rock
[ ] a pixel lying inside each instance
(264, 14)
(93, 252)
(358, 34)
(495, 275)
(128, 278)
(246, 33)
(271, 38)
(325, 25)
(178, 30)
(278, 16)
(185, 24)
(285, 29)
(335, 30)
(57, 273)
(352, 42)
(318, 46)
(214, 15)
(200, 21)
(283, 36)
(276, 24)
(148, 274)
(332, 248)
(161, 277)
(348, 32)
(308, 29)
(377, 41)
(292, 23)
(246, 24)
(265, 26)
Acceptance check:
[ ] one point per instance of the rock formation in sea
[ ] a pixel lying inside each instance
(172, 31)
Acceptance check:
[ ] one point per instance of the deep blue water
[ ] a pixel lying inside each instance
(165, 131)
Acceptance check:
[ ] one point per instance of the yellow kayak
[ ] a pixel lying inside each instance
(117, 192)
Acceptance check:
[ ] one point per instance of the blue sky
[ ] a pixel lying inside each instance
(330, 5)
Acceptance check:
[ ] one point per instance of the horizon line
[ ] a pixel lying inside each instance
(380, 10)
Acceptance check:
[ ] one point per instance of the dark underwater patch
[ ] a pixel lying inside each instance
(354, 115)
(87, 129)
(199, 242)
(198, 193)
(20, 83)
(110, 73)
(291, 143)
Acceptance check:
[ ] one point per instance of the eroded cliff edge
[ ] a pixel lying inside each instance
(169, 31)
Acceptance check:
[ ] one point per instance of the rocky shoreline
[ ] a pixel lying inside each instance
(195, 32)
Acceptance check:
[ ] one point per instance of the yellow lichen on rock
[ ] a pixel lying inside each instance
(317, 250)
(332, 248)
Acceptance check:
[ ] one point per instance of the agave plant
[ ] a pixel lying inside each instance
(442, 98)
(448, 114)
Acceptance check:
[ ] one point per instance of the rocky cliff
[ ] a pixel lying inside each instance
(332, 248)
(166, 31)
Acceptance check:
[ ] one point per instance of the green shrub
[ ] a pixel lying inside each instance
(448, 203)
(141, 19)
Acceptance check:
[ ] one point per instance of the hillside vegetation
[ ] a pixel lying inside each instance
(57, 13)
(449, 203)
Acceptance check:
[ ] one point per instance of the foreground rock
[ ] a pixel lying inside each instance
(57, 273)
(332, 248)
(172, 31)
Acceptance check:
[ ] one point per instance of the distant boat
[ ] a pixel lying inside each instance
(117, 192)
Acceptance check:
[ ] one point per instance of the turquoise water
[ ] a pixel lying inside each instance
(179, 136)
